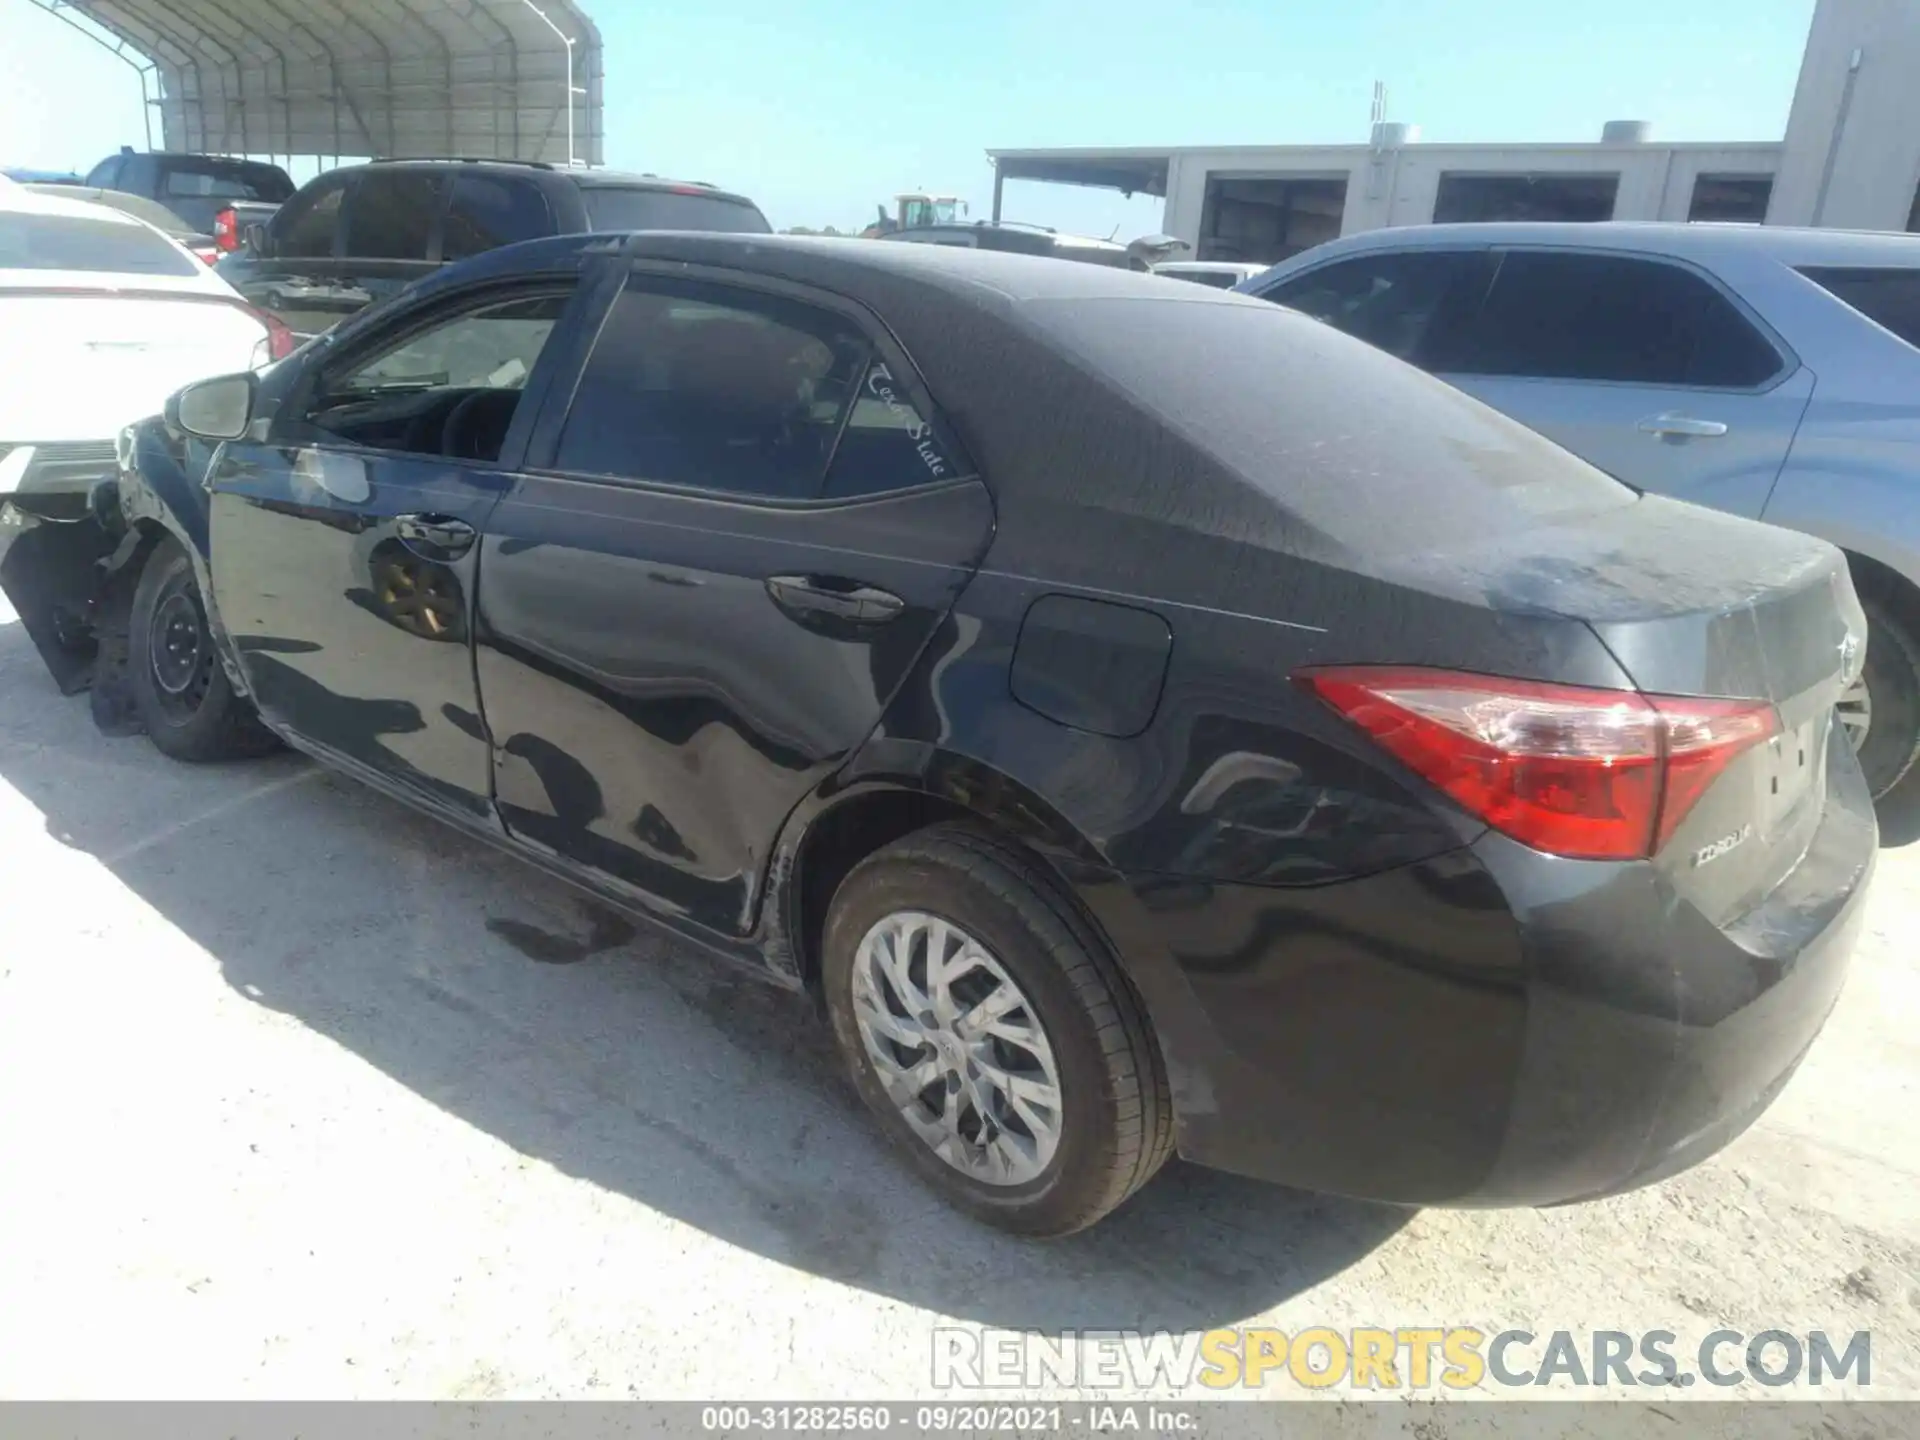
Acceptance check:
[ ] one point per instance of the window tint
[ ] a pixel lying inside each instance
(224, 183)
(1388, 300)
(138, 173)
(141, 208)
(708, 386)
(613, 209)
(62, 242)
(390, 215)
(1890, 298)
(888, 443)
(1607, 317)
(450, 389)
(487, 212)
(102, 176)
(305, 229)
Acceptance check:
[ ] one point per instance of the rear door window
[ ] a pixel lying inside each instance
(64, 242)
(890, 442)
(1619, 318)
(391, 215)
(1393, 300)
(611, 208)
(488, 211)
(1888, 297)
(306, 228)
(714, 388)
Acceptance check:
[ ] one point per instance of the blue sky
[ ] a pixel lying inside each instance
(820, 109)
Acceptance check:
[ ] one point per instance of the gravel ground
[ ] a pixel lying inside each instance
(303, 1095)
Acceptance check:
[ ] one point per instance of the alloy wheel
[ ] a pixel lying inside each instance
(1855, 709)
(958, 1047)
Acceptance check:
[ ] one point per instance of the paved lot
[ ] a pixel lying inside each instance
(303, 1095)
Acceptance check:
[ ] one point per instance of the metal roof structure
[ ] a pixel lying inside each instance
(485, 79)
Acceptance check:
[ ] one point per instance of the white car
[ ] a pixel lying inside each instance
(1218, 274)
(101, 318)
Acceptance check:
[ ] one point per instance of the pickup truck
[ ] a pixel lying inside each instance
(202, 190)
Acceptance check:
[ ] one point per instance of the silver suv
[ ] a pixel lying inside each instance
(1767, 371)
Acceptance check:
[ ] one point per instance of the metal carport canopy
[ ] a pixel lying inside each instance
(489, 79)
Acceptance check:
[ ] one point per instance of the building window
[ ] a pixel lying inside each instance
(1268, 220)
(1524, 197)
(1738, 199)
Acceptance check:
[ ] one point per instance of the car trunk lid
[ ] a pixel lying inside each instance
(85, 362)
(1696, 604)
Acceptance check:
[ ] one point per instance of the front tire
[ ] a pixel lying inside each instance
(1881, 712)
(185, 701)
(992, 1035)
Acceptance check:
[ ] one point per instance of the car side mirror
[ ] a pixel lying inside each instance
(257, 239)
(216, 409)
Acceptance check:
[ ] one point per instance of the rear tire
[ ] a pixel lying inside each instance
(1890, 688)
(1111, 1122)
(180, 689)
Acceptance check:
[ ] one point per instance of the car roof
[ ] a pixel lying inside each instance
(203, 159)
(34, 200)
(859, 269)
(151, 211)
(585, 179)
(1698, 240)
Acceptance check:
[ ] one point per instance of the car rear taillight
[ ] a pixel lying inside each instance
(226, 229)
(205, 254)
(1587, 774)
(281, 342)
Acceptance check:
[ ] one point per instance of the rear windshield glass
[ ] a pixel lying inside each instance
(61, 242)
(233, 181)
(1361, 447)
(610, 209)
(1890, 297)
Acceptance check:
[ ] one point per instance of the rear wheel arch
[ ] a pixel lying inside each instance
(845, 828)
(1892, 604)
(1880, 581)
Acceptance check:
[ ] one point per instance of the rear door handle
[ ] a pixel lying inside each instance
(1673, 424)
(435, 537)
(834, 597)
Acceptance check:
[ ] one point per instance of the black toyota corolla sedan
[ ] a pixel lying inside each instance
(1145, 719)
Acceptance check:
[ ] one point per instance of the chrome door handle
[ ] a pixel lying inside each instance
(435, 537)
(1681, 425)
(835, 598)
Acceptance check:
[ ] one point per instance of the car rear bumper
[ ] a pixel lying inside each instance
(52, 543)
(1492, 1026)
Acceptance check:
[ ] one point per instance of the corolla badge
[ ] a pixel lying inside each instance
(1707, 854)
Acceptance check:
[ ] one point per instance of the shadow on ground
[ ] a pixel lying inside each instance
(515, 1004)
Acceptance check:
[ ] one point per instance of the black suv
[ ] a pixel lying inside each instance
(360, 233)
(194, 187)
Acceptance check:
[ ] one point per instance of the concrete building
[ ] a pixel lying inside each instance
(1850, 157)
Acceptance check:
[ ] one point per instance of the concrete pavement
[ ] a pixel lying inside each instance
(304, 1095)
